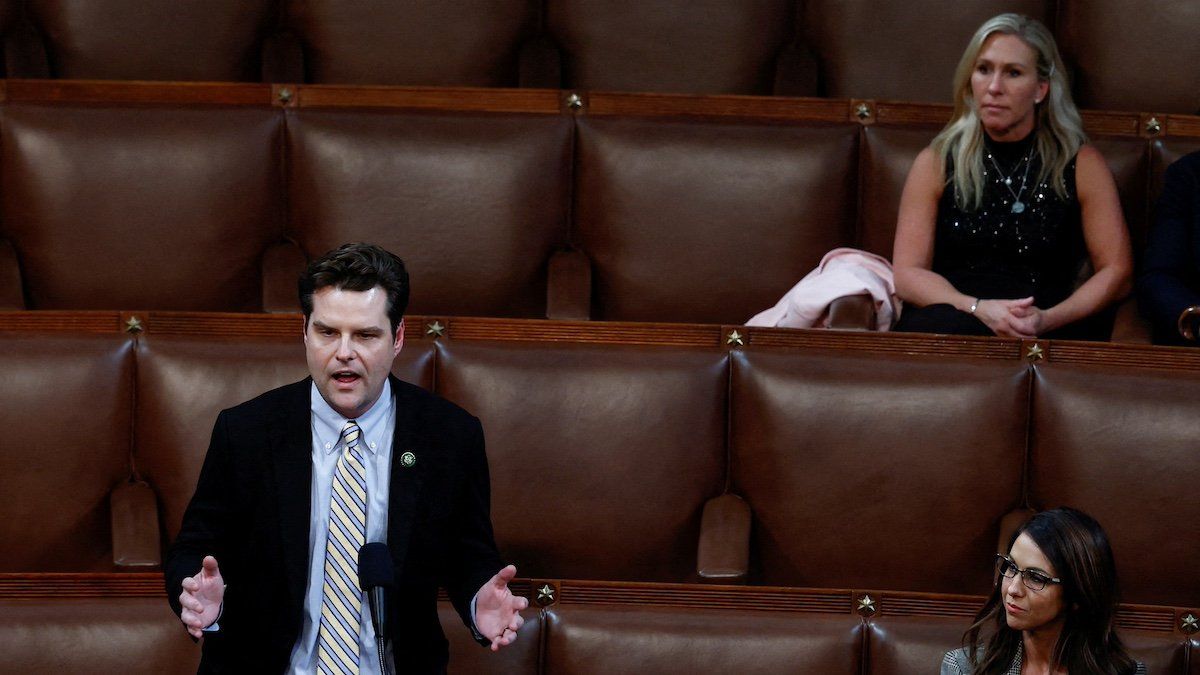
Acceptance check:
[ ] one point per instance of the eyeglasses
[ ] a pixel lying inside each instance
(1033, 579)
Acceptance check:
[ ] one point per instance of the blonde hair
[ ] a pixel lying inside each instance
(1058, 127)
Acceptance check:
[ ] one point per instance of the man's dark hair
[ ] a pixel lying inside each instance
(358, 267)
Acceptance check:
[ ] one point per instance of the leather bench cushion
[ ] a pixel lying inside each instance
(474, 204)
(468, 657)
(898, 645)
(412, 43)
(184, 382)
(1130, 163)
(887, 155)
(1130, 56)
(94, 635)
(601, 456)
(1120, 444)
(669, 45)
(868, 471)
(132, 40)
(647, 639)
(66, 402)
(708, 222)
(886, 50)
(141, 208)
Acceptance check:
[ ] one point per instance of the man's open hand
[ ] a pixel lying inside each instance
(497, 610)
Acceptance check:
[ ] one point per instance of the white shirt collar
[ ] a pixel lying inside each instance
(327, 423)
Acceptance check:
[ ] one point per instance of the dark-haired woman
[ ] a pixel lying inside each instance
(1053, 608)
(1002, 211)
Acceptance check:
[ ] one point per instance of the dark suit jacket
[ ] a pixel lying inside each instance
(251, 511)
(1170, 278)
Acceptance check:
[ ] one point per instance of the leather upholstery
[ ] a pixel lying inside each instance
(1126, 460)
(904, 51)
(627, 460)
(675, 215)
(110, 636)
(126, 208)
(66, 403)
(475, 205)
(822, 445)
(624, 639)
(132, 40)
(412, 43)
(1133, 56)
(701, 46)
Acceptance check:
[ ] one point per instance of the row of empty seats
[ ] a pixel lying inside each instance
(606, 452)
(599, 628)
(1124, 54)
(701, 209)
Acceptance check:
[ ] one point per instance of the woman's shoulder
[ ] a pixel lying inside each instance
(956, 662)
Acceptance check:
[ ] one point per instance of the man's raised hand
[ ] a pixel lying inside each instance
(497, 610)
(202, 597)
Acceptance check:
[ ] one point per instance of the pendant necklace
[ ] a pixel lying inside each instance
(1018, 205)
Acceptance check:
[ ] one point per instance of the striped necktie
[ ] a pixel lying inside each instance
(341, 602)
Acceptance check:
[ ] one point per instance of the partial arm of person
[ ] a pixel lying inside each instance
(202, 598)
(1163, 288)
(1107, 239)
(195, 586)
(912, 254)
(497, 611)
(476, 576)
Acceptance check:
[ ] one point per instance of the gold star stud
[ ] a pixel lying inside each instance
(545, 595)
(1035, 353)
(133, 325)
(436, 329)
(1190, 624)
(734, 338)
(866, 605)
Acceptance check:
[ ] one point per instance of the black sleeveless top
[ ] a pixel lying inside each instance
(1036, 249)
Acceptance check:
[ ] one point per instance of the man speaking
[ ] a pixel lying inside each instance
(298, 480)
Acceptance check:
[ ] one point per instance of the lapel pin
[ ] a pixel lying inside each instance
(407, 460)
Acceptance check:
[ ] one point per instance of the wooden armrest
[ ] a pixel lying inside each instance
(852, 312)
(569, 286)
(135, 534)
(724, 550)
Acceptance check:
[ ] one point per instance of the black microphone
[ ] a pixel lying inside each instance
(375, 576)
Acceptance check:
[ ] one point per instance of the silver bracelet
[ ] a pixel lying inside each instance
(974, 306)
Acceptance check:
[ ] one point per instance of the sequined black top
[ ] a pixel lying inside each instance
(999, 251)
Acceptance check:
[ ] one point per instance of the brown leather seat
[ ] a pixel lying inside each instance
(876, 472)
(120, 207)
(1119, 444)
(475, 205)
(695, 46)
(904, 51)
(131, 40)
(111, 635)
(601, 457)
(67, 405)
(702, 222)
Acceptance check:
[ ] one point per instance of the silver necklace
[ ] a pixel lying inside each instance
(1018, 206)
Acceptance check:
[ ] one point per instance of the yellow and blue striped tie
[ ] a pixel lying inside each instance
(341, 603)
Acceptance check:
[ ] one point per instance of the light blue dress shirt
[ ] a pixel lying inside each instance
(377, 425)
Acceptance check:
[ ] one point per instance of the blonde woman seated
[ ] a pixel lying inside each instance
(1001, 213)
(1053, 608)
